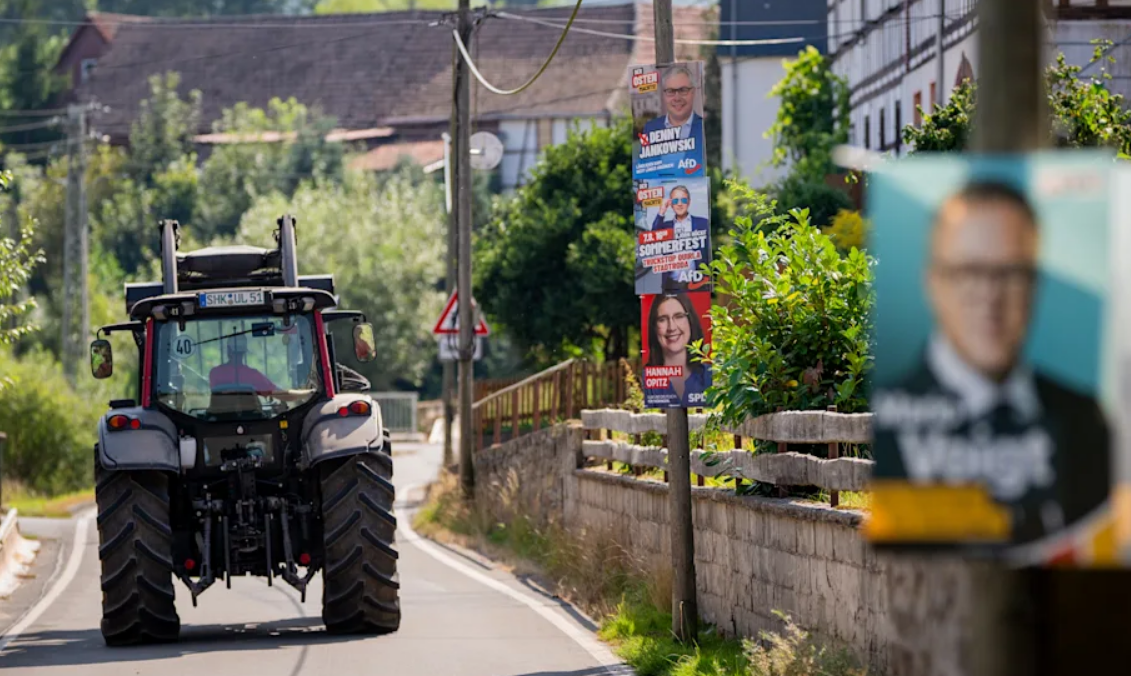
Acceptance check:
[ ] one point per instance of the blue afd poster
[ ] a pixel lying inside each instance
(667, 117)
(994, 381)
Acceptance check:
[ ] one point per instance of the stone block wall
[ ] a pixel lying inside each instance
(753, 555)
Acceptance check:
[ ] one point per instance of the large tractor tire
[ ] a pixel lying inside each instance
(361, 587)
(135, 548)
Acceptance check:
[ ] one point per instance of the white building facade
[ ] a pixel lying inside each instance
(888, 51)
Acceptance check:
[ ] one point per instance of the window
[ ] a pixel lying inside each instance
(898, 126)
(85, 67)
(918, 99)
(868, 132)
(934, 97)
(883, 131)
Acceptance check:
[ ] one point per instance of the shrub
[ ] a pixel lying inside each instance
(796, 653)
(848, 230)
(793, 325)
(822, 200)
(51, 428)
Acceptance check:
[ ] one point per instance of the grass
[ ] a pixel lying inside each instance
(630, 598)
(29, 503)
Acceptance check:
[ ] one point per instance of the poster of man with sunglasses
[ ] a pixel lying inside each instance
(990, 394)
(673, 235)
(667, 112)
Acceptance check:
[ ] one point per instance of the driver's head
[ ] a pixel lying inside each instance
(237, 349)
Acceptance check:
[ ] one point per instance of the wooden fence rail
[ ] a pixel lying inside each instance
(833, 473)
(558, 393)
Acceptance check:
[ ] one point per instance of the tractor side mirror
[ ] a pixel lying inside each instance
(364, 344)
(101, 358)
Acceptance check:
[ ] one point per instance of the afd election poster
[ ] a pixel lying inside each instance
(673, 376)
(994, 385)
(673, 235)
(667, 115)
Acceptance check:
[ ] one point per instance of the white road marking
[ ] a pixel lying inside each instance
(587, 641)
(75, 558)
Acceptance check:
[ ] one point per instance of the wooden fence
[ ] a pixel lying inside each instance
(783, 468)
(558, 393)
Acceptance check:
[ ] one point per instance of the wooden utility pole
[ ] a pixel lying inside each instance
(685, 606)
(1010, 117)
(466, 351)
(76, 247)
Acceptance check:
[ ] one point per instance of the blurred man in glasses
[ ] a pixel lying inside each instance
(972, 411)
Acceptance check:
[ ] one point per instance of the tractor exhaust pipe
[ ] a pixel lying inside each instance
(169, 239)
(289, 259)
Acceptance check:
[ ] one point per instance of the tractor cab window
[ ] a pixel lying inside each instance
(237, 367)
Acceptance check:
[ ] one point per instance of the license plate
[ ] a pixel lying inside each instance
(230, 299)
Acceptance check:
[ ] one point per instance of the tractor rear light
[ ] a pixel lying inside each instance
(190, 564)
(343, 411)
(121, 422)
(359, 408)
(304, 559)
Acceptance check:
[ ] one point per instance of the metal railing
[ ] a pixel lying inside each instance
(398, 410)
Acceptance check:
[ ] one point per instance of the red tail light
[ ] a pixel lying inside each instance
(359, 408)
(190, 564)
(304, 559)
(121, 422)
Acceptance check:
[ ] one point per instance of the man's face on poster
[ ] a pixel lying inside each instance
(981, 280)
(681, 202)
(679, 96)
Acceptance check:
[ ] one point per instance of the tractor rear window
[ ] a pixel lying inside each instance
(237, 367)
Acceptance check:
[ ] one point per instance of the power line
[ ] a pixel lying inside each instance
(633, 36)
(30, 126)
(149, 22)
(44, 112)
(534, 78)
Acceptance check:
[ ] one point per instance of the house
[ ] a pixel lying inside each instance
(386, 78)
(748, 72)
(889, 51)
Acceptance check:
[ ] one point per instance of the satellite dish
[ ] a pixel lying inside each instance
(486, 150)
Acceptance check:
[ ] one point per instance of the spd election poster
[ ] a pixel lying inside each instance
(994, 389)
(672, 323)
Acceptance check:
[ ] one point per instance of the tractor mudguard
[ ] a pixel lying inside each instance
(152, 445)
(326, 433)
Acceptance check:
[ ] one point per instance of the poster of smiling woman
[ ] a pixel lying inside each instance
(667, 114)
(994, 387)
(672, 322)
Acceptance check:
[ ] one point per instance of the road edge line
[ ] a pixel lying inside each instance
(596, 648)
(73, 561)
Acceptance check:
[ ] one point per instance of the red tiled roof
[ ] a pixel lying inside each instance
(371, 70)
(386, 156)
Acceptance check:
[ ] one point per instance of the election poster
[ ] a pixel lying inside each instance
(994, 383)
(1121, 263)
(672, 323)
(667, 115)
(673, 235)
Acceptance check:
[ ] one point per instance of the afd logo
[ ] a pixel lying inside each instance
(689, 166)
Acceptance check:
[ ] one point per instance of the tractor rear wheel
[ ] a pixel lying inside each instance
(135, 549)
(361, 587)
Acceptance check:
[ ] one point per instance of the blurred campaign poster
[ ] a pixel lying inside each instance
(994, 385)
(1121, 300)
(667, 116)
(672, 322)
(673, 234)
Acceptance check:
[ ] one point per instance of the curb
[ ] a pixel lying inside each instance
(16, 554)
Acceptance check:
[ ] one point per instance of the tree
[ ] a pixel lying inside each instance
(27, 82)
(384, 241)
(1083, 111)
(812, 118)
(164, 128)
(17, 260)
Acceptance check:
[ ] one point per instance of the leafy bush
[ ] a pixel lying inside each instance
(51, 428)
(793, 325)
(822, 200)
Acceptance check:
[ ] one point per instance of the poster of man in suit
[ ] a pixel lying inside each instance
(992, 388)
(673, 235)
(667, 107)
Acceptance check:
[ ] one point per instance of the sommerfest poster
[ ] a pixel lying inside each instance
(672, 210)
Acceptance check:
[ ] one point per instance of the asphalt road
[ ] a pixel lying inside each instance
(461, 617)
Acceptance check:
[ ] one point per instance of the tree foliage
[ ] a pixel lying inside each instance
(1083, 111)
(18, 258)
(27, 82)
(794, 329)
(812, 118)
(384, 241)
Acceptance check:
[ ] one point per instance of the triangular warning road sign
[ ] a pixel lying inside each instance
(448, 323)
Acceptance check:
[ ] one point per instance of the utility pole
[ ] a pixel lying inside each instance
(685, 606)
(940, 49)
(76, 247)
(448, 384)
(466, 351)
(1010, 117)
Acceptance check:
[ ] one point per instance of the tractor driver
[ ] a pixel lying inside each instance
(236, 372)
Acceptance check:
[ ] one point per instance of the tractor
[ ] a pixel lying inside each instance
(248, 448)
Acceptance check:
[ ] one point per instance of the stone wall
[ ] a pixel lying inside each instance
(753, 555)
